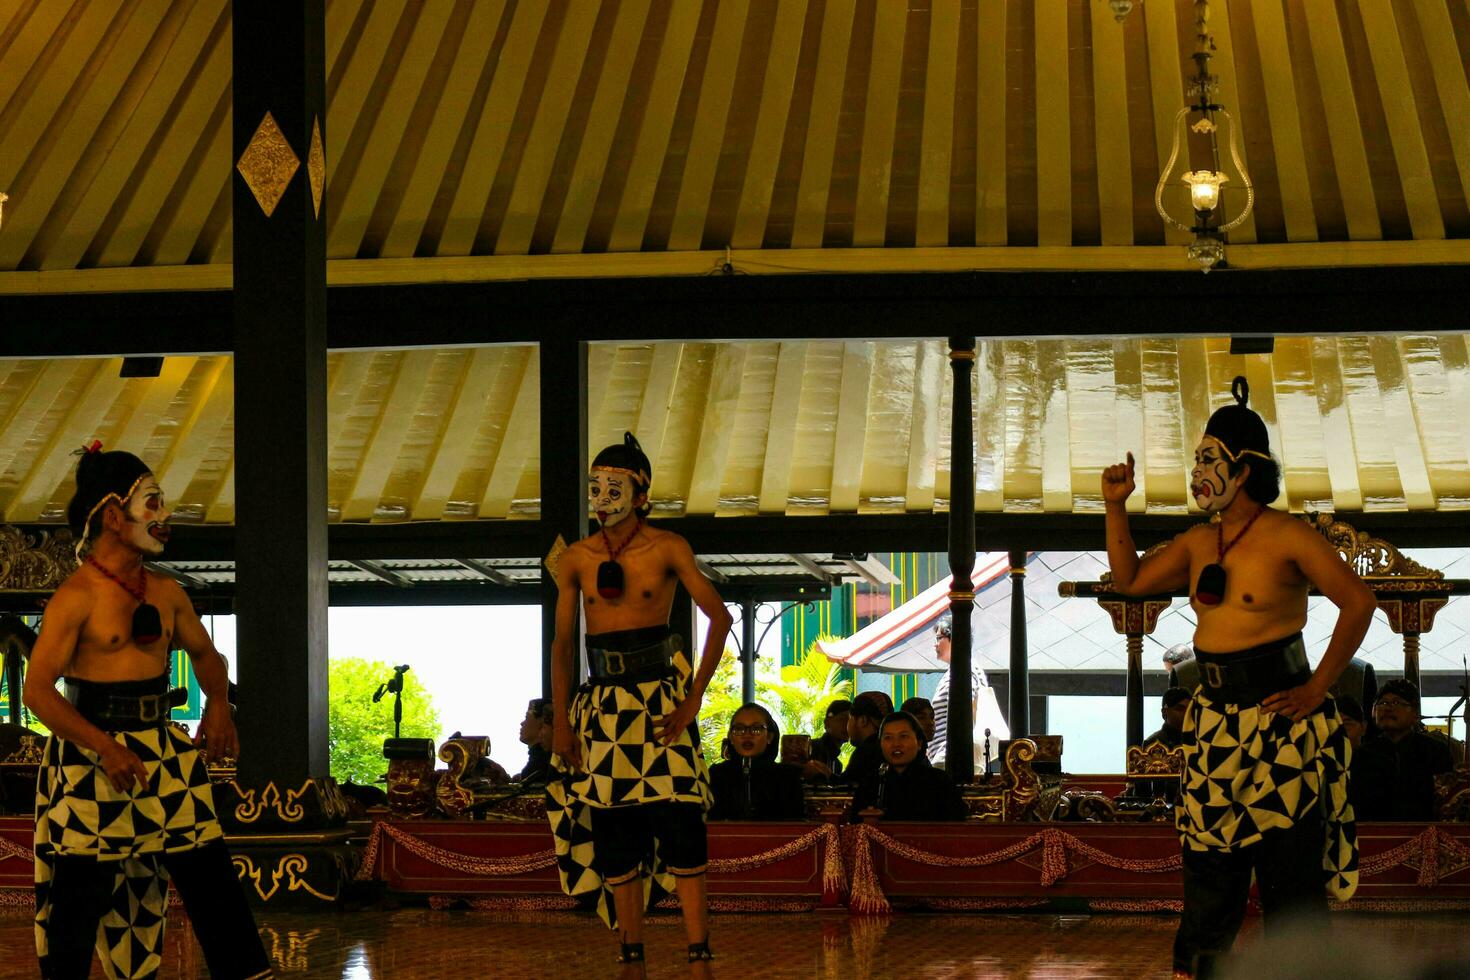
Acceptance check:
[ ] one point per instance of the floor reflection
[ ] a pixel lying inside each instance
(408, 943)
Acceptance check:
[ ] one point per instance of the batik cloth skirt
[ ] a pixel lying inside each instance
(623, 765)
(80, 814)
(1248, 771)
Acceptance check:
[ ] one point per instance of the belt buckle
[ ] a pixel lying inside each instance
(607, 656)
(148, 708)
(1214, 676)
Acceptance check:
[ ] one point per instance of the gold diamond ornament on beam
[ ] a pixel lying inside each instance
(316, 166)
(268, 164)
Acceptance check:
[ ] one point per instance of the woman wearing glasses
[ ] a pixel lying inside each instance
(751, 784)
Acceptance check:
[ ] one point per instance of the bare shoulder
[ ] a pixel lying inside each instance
(72, 599)
(167, 587)
(667, 541)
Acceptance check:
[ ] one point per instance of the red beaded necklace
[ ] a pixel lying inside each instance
(1220, 546)
(140, 592)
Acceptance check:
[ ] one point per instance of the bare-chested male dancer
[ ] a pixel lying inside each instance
(1264, 785)
(123, 801)
(631, 808)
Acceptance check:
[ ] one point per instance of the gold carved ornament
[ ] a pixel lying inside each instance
(1370, 557)
(316, 167)
(289, 867)
(268, 164)
(1155, 759)
(37, 562)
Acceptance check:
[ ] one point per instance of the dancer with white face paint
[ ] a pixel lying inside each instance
(629, 807)
(1265, 780)
(123, 799)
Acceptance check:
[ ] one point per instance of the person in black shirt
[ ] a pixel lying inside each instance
(868, 712)
(751, 784)
(906, 786)
(1172, 708)
(536, 730)
(923, 711)
(1393, 771)
(825, 762)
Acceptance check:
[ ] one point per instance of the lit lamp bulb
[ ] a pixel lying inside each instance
(3, 198)
(1204, 189)
(1121, 9)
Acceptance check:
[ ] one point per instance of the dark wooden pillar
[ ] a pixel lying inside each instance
(959, 745)
(747, 649)
(1020, 713)
(279, 93)
(1133, 692)
(564, 463)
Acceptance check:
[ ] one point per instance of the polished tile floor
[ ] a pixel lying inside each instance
(413, 943)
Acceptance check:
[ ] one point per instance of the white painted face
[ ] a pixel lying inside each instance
(1210, 483)
(613, 495)
(147, 528)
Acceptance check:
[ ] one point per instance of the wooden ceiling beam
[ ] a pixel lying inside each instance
(1438, 31)
(553, 105)
(54, 463)
(658, 397)
(1223, 64)
(1391, 73)
(1166, 81)
(936, 150)
(1432, 404)
(1285, 120)
(1398, 417)
(1053, 125)
(488, 145)
(990, 426)
(925, 423)
(519, 444)
(1110, 115)
(990, 124)
(850, 437)
(715, 429)
(880, 119)
(1379, 474)
(777, 89)
(1344, 127)
(466, 411)
(198, 428)
(602, 125)
(781, 433)
(381, 452)
(1343, 471)
(815, 185)
(652, 144)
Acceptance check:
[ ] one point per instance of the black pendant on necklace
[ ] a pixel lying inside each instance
(147, 627)
(610, 580)
(1210, 590)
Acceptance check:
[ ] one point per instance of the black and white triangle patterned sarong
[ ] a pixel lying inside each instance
(623, 765)
(79, 813)
(1248, 771)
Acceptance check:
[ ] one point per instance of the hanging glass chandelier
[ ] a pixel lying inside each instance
(3, 198)
(1121, 9)
(1203, 136)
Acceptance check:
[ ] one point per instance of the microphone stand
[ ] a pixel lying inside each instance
(747, 809)
(394, 687)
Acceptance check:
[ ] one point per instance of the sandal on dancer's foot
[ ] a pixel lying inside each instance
(631, 953)
(700, 953)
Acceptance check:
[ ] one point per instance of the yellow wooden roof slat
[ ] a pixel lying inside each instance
(158, 393)
(781, 434)
(851, 430)
(383, 124)
(552, 108)
(437, 142)
(1225, 66)
(1378, 469)
(1285, 119)
(990, 428)
(875, 165)
(37, 32)
(653, 134)
(673, 468)
(62, 148)
(28, 416)
(765, 150)
(383, 446)
(180, 39)
(1257, 371)
(924, 426)
(812, 191)
(488, 145)
(1303, 444)
(1438, 31)
(1433, 407)
(1338, 445)
(197, 429)
(715, 429)
(1054, 417)
(1344, 126)
(658, 395)
(55, 464)
(466, 410)
(1093, 386)
(1455, 356)
(1025, 410)
(990, 124)
(347, 105)
(1166, 82)
(519, 443)
(1405, 134)
(1165, 440)
(1398, 415)
(602, 124)
(715, 91)
(1110, 112)
(1195, 401)
(616, 377)
(937, 143)
(1129, 431)
(221, 508)
(1053, 125)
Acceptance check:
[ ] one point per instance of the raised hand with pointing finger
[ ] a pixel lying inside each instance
(1117, 482)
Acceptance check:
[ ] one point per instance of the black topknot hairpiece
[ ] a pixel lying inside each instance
(1239, 429)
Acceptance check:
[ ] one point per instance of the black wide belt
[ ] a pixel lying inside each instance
(124, 705)
(1249, 676)
(632, 666)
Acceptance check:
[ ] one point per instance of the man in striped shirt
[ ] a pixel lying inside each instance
(943, 630)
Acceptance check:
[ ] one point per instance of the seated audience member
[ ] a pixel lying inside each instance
(862, 731)
(906, 786)
(826, 761)
(1172, 708)
(1353, 722)
(536, 730)
(1393, 771)
(751, 784)
(923, 713)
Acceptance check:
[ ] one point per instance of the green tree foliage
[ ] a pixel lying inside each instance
(358, 726)
(798, 697)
